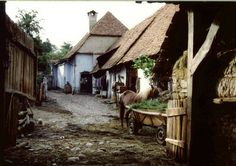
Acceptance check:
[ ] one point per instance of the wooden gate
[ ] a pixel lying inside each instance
(176, 129)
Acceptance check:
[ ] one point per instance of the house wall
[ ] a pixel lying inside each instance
(54, 76)
(111, 81)
(68, 73)
(144, 83)
(61, 76)
(83, 62)
(97, 44)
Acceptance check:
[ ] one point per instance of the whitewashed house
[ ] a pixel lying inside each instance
(75, 68)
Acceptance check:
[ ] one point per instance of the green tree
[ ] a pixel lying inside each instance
(59, 54)
(48, 47)
(29, 22)
(65, 48)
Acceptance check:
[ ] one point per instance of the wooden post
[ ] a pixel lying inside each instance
(3, 56)
(206, 46)
(189, 79)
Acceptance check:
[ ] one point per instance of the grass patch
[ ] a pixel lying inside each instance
(154, 105)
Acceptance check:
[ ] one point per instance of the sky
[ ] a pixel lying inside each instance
(67, 21)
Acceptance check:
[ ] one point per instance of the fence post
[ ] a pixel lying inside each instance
(3, 57)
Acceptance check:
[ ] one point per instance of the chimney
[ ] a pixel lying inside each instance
(92, 19)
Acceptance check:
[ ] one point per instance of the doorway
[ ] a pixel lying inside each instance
(85, 82)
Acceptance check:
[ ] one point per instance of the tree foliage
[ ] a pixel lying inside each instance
(29, 22)
(146, 64)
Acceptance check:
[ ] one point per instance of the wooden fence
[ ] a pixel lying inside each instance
(20, 76)
(176, 129)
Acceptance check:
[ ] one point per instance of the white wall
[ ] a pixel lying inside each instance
(68, 72)
(144, 82)
(83, 62)
(97, 44)
(61, 76)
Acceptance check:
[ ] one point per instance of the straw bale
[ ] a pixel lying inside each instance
(227, 84)
(179, 77)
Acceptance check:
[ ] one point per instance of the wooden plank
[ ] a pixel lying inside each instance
(175, 112)
(222, 100)
(202, 52)
(147, 112)
(189, 78)
(175, 142)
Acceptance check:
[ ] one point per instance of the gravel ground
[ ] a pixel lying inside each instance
(82, 130)
(85, 109)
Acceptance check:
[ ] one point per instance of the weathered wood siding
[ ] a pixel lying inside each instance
(20, 77)
(21, 73)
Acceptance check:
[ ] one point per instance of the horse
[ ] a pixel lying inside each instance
(129, 97)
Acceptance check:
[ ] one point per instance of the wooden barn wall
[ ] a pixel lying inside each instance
(213, 138)
(20, 75)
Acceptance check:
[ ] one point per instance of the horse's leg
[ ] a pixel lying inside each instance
(122, 112)
(127, 116)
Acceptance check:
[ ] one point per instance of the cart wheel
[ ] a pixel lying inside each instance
(161, 134)
(132, 126)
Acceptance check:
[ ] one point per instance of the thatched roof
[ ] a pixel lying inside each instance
(152, 39)
(126, 42)
(145, 38)
(108, 25)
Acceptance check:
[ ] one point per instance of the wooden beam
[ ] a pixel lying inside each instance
(189, 79)
(202, 52)
(20, 93)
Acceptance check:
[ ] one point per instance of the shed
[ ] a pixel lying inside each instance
(210, 115)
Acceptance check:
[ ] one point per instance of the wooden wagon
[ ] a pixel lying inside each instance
(136, 118)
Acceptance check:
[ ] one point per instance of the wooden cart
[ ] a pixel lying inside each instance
(137, 118)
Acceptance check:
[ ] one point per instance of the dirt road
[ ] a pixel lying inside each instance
(82, 130)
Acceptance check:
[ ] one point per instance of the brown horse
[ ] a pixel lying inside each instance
(129, 97)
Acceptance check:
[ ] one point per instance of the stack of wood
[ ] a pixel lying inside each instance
(179, 77)
(227, 84)
(25, 118)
